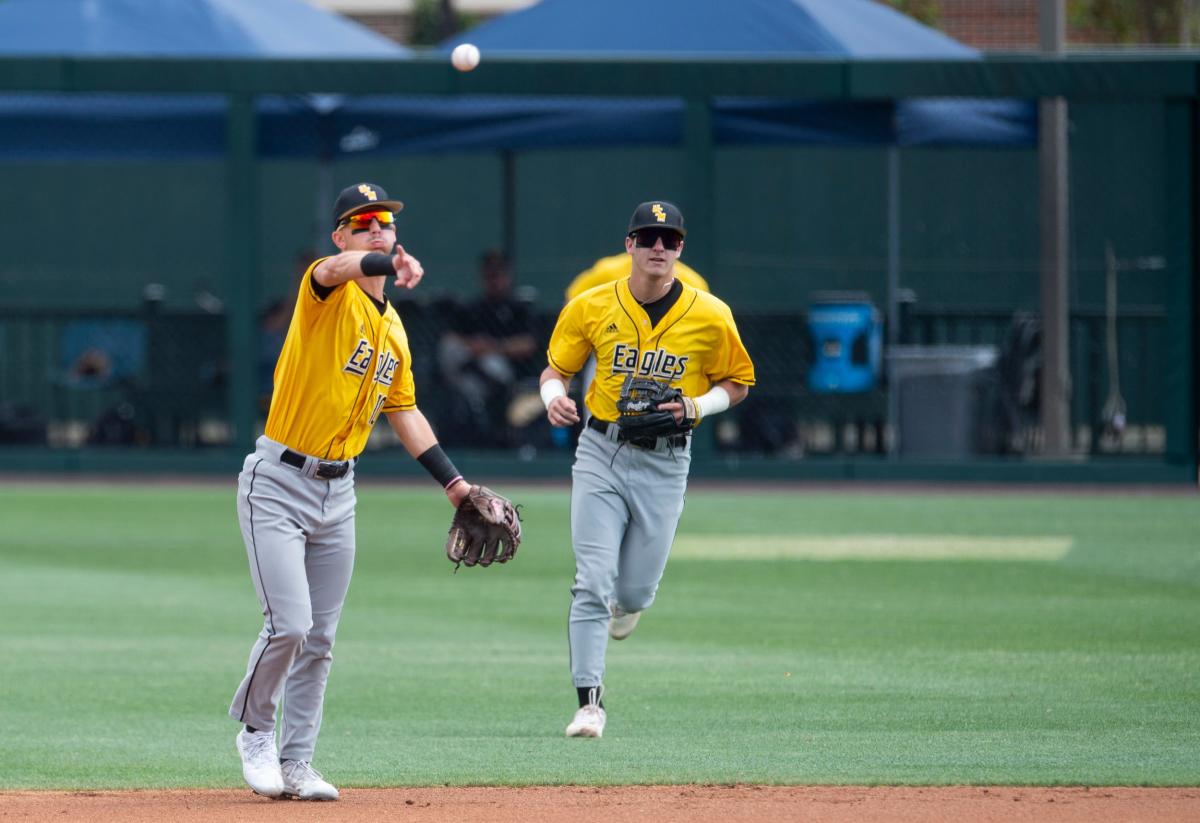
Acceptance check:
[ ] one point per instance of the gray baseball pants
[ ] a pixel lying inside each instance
(299, 533)
(625, 507)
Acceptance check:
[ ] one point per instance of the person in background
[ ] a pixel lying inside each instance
(489, 346)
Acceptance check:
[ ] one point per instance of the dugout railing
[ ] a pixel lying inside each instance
(156, 378)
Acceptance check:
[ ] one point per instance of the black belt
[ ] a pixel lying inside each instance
(603, 426)
(326, 469)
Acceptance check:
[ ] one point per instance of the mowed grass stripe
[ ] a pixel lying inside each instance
(869, 547)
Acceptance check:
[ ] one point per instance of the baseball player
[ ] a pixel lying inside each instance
(627, 486)
(344, 362)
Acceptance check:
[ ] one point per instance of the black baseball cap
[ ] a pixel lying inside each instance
(361, 197)
(657, 214)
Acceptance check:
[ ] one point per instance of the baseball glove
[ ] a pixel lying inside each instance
(638, 404)
(486, 529)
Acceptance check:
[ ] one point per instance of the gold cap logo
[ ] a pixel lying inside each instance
(659, 214)
(368, 192)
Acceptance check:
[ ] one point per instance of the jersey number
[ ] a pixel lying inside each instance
(378, 405)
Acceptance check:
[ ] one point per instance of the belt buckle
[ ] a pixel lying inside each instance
(327, 470)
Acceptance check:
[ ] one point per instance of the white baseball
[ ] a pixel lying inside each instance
(465, 56)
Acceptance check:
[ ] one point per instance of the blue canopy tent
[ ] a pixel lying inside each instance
(184, 28)
(41, 126)
(783, 28)
(770, 29)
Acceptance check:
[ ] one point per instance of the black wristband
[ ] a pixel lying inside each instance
(438, 464)
(377, 264)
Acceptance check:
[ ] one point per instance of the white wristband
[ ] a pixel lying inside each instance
(713, 401)
(554, 388)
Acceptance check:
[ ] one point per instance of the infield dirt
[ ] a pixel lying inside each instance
(660, 804)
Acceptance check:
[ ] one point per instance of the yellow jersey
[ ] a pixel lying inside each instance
(619, 266)
(694, 345)
(342, 364)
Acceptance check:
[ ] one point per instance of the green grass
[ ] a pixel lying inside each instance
(127, 615)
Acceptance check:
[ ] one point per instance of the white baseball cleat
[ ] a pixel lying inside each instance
(588, 722)
(622, 623)
(260, 762)
(301, 780)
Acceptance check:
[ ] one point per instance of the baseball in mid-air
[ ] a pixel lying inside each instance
(465, 56)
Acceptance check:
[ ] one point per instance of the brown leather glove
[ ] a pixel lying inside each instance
(486, 529)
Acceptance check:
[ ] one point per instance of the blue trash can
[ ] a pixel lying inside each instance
(847, 339)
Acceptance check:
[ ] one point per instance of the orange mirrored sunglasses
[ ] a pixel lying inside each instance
(362, 220)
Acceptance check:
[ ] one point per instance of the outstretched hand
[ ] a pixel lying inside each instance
(408, 268)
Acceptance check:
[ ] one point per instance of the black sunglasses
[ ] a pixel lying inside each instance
(645, 238)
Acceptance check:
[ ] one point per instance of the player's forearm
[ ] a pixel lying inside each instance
(421, 443)
(736, 391)
(413, 430)
(551, 373)
(333, 271)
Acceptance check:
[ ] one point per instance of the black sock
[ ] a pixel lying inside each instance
(250, 729)
(582, 691)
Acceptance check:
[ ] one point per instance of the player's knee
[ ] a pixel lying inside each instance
(292, 632)
(635, 598)
(318, 643)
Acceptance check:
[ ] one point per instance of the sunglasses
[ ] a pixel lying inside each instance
(362, 220)
(645, 238)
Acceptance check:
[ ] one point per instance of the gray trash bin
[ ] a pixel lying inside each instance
(942, 398)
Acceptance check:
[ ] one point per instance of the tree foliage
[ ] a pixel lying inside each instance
(1149, 22)
(925, 11)
(435, 20)
(1125, 22)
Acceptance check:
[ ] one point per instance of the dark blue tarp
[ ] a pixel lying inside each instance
(415, 124)
(148, 127)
